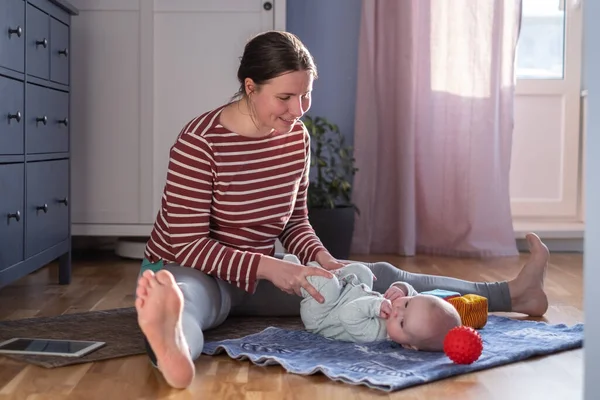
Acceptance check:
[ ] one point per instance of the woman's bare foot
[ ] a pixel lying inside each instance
(527, 289)
(159, 307)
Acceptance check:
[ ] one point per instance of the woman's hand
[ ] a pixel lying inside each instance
(290, 277)
(328, 262)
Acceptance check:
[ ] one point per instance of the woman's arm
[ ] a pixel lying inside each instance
(298, 236)
(188, 197)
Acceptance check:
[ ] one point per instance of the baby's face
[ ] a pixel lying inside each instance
(414, 318)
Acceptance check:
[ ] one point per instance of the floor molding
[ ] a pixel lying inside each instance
(559, 236)
(555, 245)
(550, 229)
(133, 247)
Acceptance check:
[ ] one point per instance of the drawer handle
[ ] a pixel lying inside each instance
(43, 208)
(64, 52)
(64, 201)
(16, 116)
(43, 120)
(16, 216)
(17, 31)
(43, 42)
(65, 121)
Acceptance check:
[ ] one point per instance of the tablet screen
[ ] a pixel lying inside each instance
(46, 346)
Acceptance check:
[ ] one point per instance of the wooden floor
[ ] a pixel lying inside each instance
(103, 283)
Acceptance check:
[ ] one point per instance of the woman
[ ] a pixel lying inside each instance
(237, 180)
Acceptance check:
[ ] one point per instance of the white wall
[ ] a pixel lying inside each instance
(592, 232)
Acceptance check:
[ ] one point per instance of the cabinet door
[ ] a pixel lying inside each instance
(47, 124)
(12, 40)
(181, 25)
(12, 116)
(176, 68)
(12, 180)
(106, 133)
(59, 52)
(38, 42)
(47, 213)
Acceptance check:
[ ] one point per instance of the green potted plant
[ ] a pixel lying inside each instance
(330, 208)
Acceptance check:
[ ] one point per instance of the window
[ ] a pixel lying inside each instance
(540, 49)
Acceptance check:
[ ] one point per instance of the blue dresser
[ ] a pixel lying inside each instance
(34, 137)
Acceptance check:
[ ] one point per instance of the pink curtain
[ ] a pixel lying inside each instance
(433, 129)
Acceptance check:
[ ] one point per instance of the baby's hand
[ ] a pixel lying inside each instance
(386, 309)
(393, 293)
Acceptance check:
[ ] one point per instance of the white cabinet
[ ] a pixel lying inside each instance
(105, 112)
(144, 68)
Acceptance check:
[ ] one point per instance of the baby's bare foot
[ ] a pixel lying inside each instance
(527, 289)
(159, 306)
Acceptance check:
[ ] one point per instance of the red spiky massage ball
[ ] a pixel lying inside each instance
(463, 345)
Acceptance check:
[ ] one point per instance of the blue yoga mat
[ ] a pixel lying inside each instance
(389, 367)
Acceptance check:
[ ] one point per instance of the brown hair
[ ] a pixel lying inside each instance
(271, 54)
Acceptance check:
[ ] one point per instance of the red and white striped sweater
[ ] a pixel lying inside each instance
(228, 198)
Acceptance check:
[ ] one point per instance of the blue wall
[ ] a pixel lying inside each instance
(591, 269)
(330, 29)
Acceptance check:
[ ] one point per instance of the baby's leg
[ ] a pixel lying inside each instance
(313, 313)
(362, 272)
(329, 288)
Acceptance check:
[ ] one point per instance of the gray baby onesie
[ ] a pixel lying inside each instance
(351, 308)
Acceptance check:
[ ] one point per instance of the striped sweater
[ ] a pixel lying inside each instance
(227, 198)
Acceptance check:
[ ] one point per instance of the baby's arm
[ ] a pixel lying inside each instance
(361, 318)
(398, 290)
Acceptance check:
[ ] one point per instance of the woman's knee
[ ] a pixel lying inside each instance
(205, 298)
(381, 268)
(386, 274)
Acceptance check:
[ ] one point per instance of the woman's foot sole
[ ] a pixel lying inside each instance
(159, 305)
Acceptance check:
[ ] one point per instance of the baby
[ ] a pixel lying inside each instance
(353, 312)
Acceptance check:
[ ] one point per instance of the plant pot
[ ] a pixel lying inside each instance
(334, 227)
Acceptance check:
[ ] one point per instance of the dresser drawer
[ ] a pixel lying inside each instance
(38, 43)
(47, 213)
(47, 127)
(11, 214)
(12, 40)
(59, 52)
(12, 120)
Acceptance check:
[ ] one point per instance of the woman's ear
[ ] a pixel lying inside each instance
(249, 86)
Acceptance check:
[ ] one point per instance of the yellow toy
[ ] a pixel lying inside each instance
(472, 308)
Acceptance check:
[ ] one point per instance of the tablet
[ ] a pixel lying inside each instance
(49, 347)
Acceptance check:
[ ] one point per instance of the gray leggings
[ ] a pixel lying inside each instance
(208, 301)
